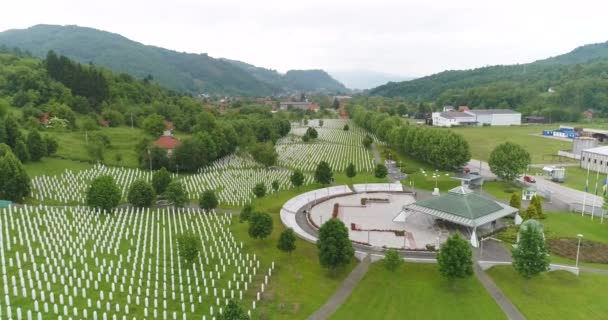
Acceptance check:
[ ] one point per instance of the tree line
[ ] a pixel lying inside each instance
(443, 149)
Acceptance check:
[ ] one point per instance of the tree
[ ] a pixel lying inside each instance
(259, 190)
(260, 225)
(103, 194)
(380, 171)
(233, 312)
(515, 201)
(154, 125)
(392, 260)
(336, 104)
(208, 200)
(351, 171)
(346, 127)
(530, 256)
(35, 145)
(141, 194)
(264, 153)
(176, 194)
(13, 132)
(287, 241)
(311, 133)
(246, 212)
(297, 178)
(160, 180)
(14, 181)
(320, 123)
(335, 248)
(367, 141)
(188, 245)
(21, 151)
(51, 145)
(508, 160)
(530, 212)
(537, 202)
(454, 258)
(275, 185)
(323, 173)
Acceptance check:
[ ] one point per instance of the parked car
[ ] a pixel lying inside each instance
(529, 179)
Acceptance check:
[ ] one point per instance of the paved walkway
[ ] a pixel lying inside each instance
(505, 304)
(343, 292)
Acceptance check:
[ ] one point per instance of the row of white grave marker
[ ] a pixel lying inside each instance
(233, 184)
(74, 263)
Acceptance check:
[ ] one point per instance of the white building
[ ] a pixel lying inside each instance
(495, 117)
(452, 118)
(596, 159)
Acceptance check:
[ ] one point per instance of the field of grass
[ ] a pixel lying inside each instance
(482, 140)
(416, 291)
(555, 295)
(72, 145)
(576, 177)
(54, 166)
(299, 285)
(501, 190)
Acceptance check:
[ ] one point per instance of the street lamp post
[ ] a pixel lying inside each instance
(578, 247)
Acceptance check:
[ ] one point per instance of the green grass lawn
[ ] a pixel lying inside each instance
(567, 224)
(299, 285)
(500, 189)
(54, 166)
(576, 177)
(555, 295)
(416, 291)
(72, 145)
(482, 140)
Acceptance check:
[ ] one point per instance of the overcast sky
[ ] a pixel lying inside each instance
(410, 38)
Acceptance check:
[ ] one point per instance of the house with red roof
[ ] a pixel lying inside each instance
(168, 143)
(44, 118)
(463, 108)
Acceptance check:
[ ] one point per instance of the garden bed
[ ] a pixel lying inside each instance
(591, 251)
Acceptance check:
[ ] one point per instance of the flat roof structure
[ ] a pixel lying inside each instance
(598, 150)
(462, 206)
(492, 111)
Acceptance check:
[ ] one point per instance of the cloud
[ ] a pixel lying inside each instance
(411, 38)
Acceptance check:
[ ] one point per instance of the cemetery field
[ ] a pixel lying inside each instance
(416, 291)
(72, 145)
(554, 295)
(482, 140)
(72, 262)
(333, 145)
(299, 286)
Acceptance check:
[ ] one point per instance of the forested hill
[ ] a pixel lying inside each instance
(294, 80)
(186, 72)
(568, 83)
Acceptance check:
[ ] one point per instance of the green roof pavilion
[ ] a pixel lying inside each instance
(462, 206)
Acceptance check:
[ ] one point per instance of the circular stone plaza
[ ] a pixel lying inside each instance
(384, 215)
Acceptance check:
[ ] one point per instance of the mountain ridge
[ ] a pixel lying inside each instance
(187, 72)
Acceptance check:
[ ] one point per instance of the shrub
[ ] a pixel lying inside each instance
(208, 200)
(141, 194)
(392, 260)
